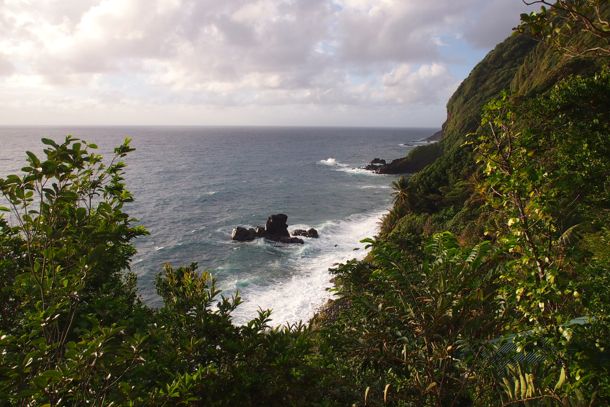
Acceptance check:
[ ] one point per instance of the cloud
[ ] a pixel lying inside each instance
(494, 21)
(428, 84)
(241, 52)
(6, 68)
(395, 30)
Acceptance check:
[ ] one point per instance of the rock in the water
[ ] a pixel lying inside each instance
(276, 230)
(376, 164)
(276, 226)
(313, 233)
(243, 235)
(291, 240)
(260, 231)
(306, 233)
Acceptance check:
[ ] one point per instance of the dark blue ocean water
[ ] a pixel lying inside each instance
(192, 185)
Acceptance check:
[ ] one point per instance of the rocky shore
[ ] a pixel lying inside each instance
(417, 158)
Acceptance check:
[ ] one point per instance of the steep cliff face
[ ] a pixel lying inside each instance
(492, 75)
(439, 189)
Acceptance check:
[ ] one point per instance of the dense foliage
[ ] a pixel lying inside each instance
(72, 329)
(558, 22)
(523, 313)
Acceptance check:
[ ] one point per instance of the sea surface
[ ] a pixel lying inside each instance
(193, 185)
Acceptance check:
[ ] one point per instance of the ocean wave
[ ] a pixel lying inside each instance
(300, 296)
(342, 167)
(357, 171)
(417, 143)
(332, 162)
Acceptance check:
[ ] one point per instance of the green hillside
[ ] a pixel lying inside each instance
(488, 284)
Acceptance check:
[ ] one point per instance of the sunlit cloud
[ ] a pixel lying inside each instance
(238, 53)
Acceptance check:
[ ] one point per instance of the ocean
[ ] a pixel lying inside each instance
(193, 185)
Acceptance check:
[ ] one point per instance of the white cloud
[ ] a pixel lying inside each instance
(213, 53)
(6, 67)
(428, 84)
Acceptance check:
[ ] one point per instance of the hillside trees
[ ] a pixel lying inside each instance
(546, 178)
(531, 185)
(65, 338)
(558, 22)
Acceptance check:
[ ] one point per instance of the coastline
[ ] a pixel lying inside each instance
(312, 279)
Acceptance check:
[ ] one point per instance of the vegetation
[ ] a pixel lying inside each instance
(523, 313)
(558, 22)
(488, 285)
(73, 331)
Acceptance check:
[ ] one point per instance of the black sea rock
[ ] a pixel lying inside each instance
(243, 235)
(277, 226)
(290, 240)
(260, 231)
(276, 230)
(306, 233)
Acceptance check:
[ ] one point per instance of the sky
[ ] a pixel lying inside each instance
(242, 62)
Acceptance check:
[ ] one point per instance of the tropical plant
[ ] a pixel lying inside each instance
(73, 330)
(558, 22)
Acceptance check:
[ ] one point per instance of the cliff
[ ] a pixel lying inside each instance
(441, 172)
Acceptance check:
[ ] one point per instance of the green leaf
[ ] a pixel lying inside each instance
(49, 142)
(81, 213)
(562, 378)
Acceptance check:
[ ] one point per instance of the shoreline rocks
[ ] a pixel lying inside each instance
(312, 233)
(242, 234)
(376, 165)
(418, 158)
(276, 229)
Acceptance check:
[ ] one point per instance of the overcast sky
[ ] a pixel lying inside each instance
(241, 62)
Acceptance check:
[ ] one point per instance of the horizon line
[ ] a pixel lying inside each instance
(217, 126)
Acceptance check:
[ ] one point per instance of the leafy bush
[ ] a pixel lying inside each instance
(74, 332)
(410, 326)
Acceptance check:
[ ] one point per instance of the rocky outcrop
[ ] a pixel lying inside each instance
(276, 226)
(290, 240)
(376, 164)
(312, 233)
(243, 235)
(416, 160)
(276, 229)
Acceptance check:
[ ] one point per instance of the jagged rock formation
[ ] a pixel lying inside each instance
(276, 229)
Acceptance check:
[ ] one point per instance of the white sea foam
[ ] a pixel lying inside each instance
(357, 171)
(332, 162)
(300, 296)
(339, 166)
(417, 143)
